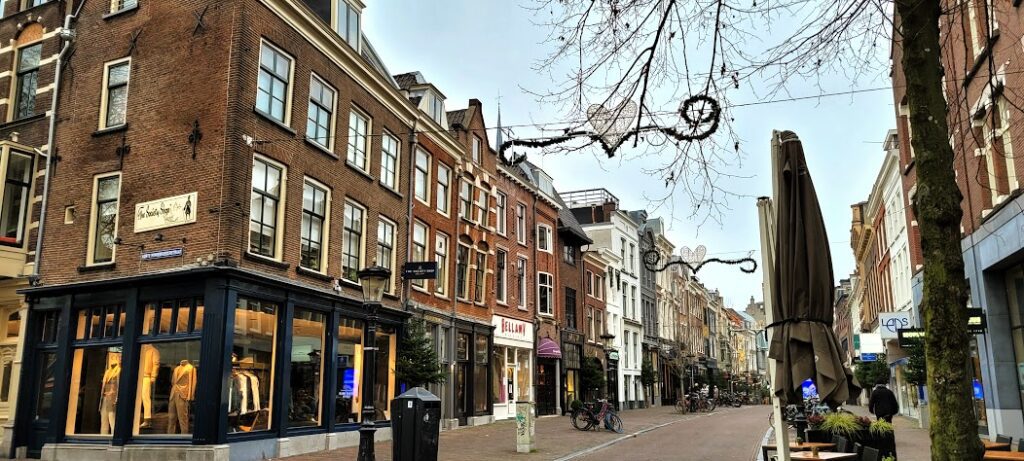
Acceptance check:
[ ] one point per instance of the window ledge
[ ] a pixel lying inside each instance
(349, 283)
(360, 170)
(97, 267)
(442, 296)
(312, 273)
(23, 120)
(110, 129)
(265, 260)
(392, 190)
(502, 303)
(320, 148)
(121, 11)
(419, 288)
(980, 59)
(274, 121)
(392, 296)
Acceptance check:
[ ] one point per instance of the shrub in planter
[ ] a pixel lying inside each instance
(842, 424)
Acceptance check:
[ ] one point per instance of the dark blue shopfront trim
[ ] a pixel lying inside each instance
(220, 288)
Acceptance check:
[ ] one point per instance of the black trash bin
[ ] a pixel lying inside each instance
(415, 425)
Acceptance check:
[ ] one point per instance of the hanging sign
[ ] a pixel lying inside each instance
(419, 270)
(908, 336)
(868, 357)
(976, 322)
(166, 212)
(891, 322)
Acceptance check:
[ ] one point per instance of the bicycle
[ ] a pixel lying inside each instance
(683, 405)
(585, 419)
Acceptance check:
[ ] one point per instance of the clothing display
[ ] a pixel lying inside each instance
(183, 389)
(150, 366)
(246, 409)
(108, 398)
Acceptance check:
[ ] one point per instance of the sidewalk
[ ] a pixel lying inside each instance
(912, 442)
(556, 438)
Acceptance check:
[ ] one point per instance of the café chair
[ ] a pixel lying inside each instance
(858, 449)
(1020, 444)
(871, 454)
(842, 445)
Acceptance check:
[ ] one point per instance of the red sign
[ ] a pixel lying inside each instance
(507, 328)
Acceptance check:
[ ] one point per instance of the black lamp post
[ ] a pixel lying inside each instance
(373, 280)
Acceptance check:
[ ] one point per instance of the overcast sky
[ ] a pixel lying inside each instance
(480, 48)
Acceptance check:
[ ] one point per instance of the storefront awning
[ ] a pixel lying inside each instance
(548, 349)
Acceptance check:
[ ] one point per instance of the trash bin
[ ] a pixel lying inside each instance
(415, 425)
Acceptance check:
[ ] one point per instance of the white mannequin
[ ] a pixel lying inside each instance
(108, 398)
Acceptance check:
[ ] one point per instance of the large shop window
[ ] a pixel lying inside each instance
(95, 370)
(350, 371)
(307, 373)
(168, 367)
(482, 352)
(252, 366)
(387, 353)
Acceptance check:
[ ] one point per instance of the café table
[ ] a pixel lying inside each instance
(995, 446)
(824, 456)
(806, 446)
(1005, 455)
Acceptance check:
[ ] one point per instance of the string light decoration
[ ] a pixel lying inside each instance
(692, 259)
(701, 114)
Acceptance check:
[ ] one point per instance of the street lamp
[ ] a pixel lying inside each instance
(373, 280)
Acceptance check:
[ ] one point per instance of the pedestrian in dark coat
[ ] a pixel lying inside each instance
(883, 403)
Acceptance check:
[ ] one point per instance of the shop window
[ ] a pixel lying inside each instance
(27, 80)
(524, 378)
(13, 324)
(387, 354)
(107, 191)
(100, 323)
(114, 103)
(173, 317)
(252, 366)
(92, 400)
(462, 347)
(482, 352)
(14, 209)
(499, 391)
(167, 383)
(349, 361)
(306, 376)
(5, 385)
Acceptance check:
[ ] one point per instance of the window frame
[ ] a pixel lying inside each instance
(482, 206)
(521, 268)
(385, 178)
(550, 287)
(475, 150)
(462, 255)
(114, 5)
(94, 217)
(546, 230)
(325, 224)
(392, 261)
(420, 284)
(281, 200)
(357, 113)
(445, 186)
(361, 255)
(501, 209)
(426, 174)
(336, 18)
(466, 200)
(501, 276)
(442, 258)
(521, 224)
(479, 276)
(16, 80)
(289, 85)
(332, 111)
(104, 121)
(28, 187)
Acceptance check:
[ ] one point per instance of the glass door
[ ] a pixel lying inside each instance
(1015, 305)
(510, 382)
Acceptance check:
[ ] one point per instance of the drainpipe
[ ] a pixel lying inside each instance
(66, 34)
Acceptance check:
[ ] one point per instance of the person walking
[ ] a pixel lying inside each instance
(883, 403)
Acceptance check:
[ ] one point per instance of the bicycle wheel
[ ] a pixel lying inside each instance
(579, 420)
(616, 423)
(681, 406)
(711, 405)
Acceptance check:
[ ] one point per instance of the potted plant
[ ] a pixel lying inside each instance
(814, 431)
(881, 435)
(842, 424)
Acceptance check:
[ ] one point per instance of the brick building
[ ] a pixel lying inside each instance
(594, 314)
(214, 241)
(571, 277)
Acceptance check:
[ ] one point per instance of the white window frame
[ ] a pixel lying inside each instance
(361, 252)
(385, 221)
(15, 92)
(550, 287)
(444, 190)
(352, 154)
(279, 219)
(521, 223)
(476, 149)
(105, 97)
(115, 5)
(332, 111)
(419, 284)
(466, 200)
(501, 205)
(395, 158)
(417, 172)
(442, 252)
(94, 216)
(501, 276)
(289, 85)
(544, 229)
(1002, 108)
(521, 268)
(481, 205)
(347, 36)
(325, 226)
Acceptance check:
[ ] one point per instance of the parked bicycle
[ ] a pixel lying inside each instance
(592, 415)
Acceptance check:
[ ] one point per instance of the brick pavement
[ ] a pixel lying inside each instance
(555, 438)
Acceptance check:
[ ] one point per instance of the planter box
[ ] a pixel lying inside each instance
(818, 435)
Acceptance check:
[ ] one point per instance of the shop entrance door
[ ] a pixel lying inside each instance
(613, 383)
(546, 387)
(41, 395)
(511, 376)
(462, 406)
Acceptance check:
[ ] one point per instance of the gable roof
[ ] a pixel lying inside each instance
(457, 117)
(409, 80)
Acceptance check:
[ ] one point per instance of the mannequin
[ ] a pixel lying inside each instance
(183, 389)
(108, 398)
(149, 365)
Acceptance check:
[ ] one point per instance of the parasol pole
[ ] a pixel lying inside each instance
(766, 215)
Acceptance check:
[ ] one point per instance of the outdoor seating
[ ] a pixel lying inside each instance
(842, 444)
(871, 454)
(858, 449)
(1000, 438)
(1020, 444)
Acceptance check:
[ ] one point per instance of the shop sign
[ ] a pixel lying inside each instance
(613, 355)
(908, 336)
(891, 322)
(419, 270)
(869, 357)
(976, 322)
(166, 212)
(162, 254)
(516, 330)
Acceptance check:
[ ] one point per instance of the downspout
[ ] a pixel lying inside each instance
(66, 34)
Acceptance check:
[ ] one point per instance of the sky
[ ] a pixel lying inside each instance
(483, 48)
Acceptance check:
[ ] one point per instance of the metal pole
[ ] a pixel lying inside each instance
(369, 427)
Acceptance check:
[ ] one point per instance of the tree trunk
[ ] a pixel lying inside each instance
(954, 427)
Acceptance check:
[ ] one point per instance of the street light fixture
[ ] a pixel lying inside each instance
(373, 280)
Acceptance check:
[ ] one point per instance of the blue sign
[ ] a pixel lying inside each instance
(868, 357)
(162, 254)
(979, 393)
(810, 389)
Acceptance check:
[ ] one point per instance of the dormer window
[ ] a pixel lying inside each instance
(437, 109)
(347, 23)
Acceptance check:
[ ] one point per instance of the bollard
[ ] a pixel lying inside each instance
(525, 428)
